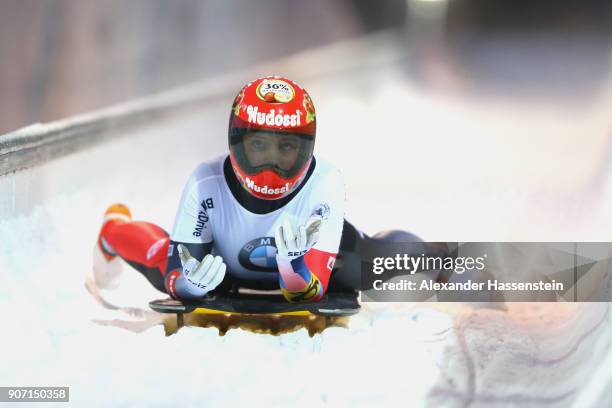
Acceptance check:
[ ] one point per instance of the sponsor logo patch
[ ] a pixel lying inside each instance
(265, 189)
(202, 217)
(273, 118)
(275, 91)
(322, 211)
(259, 255)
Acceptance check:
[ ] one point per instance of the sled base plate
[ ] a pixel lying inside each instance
(332, 305)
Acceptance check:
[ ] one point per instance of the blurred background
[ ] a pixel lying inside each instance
(61, 57)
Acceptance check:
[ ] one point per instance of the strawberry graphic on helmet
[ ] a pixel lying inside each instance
(309, 107)
(237, 101)
(270, 97)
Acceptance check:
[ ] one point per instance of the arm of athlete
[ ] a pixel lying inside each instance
(192, 271)
(307, 251)
(297, 282)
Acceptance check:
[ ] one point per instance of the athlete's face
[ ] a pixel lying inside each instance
(262, 148)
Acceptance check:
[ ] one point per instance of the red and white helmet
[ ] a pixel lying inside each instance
(272, 131)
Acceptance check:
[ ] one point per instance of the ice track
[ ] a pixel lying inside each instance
(453, 355)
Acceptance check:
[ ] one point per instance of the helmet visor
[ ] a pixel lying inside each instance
(283, 153)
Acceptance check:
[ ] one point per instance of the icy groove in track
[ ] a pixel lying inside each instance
(470, 396)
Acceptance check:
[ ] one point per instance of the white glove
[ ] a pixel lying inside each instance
(201, 277)
(292, 243)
